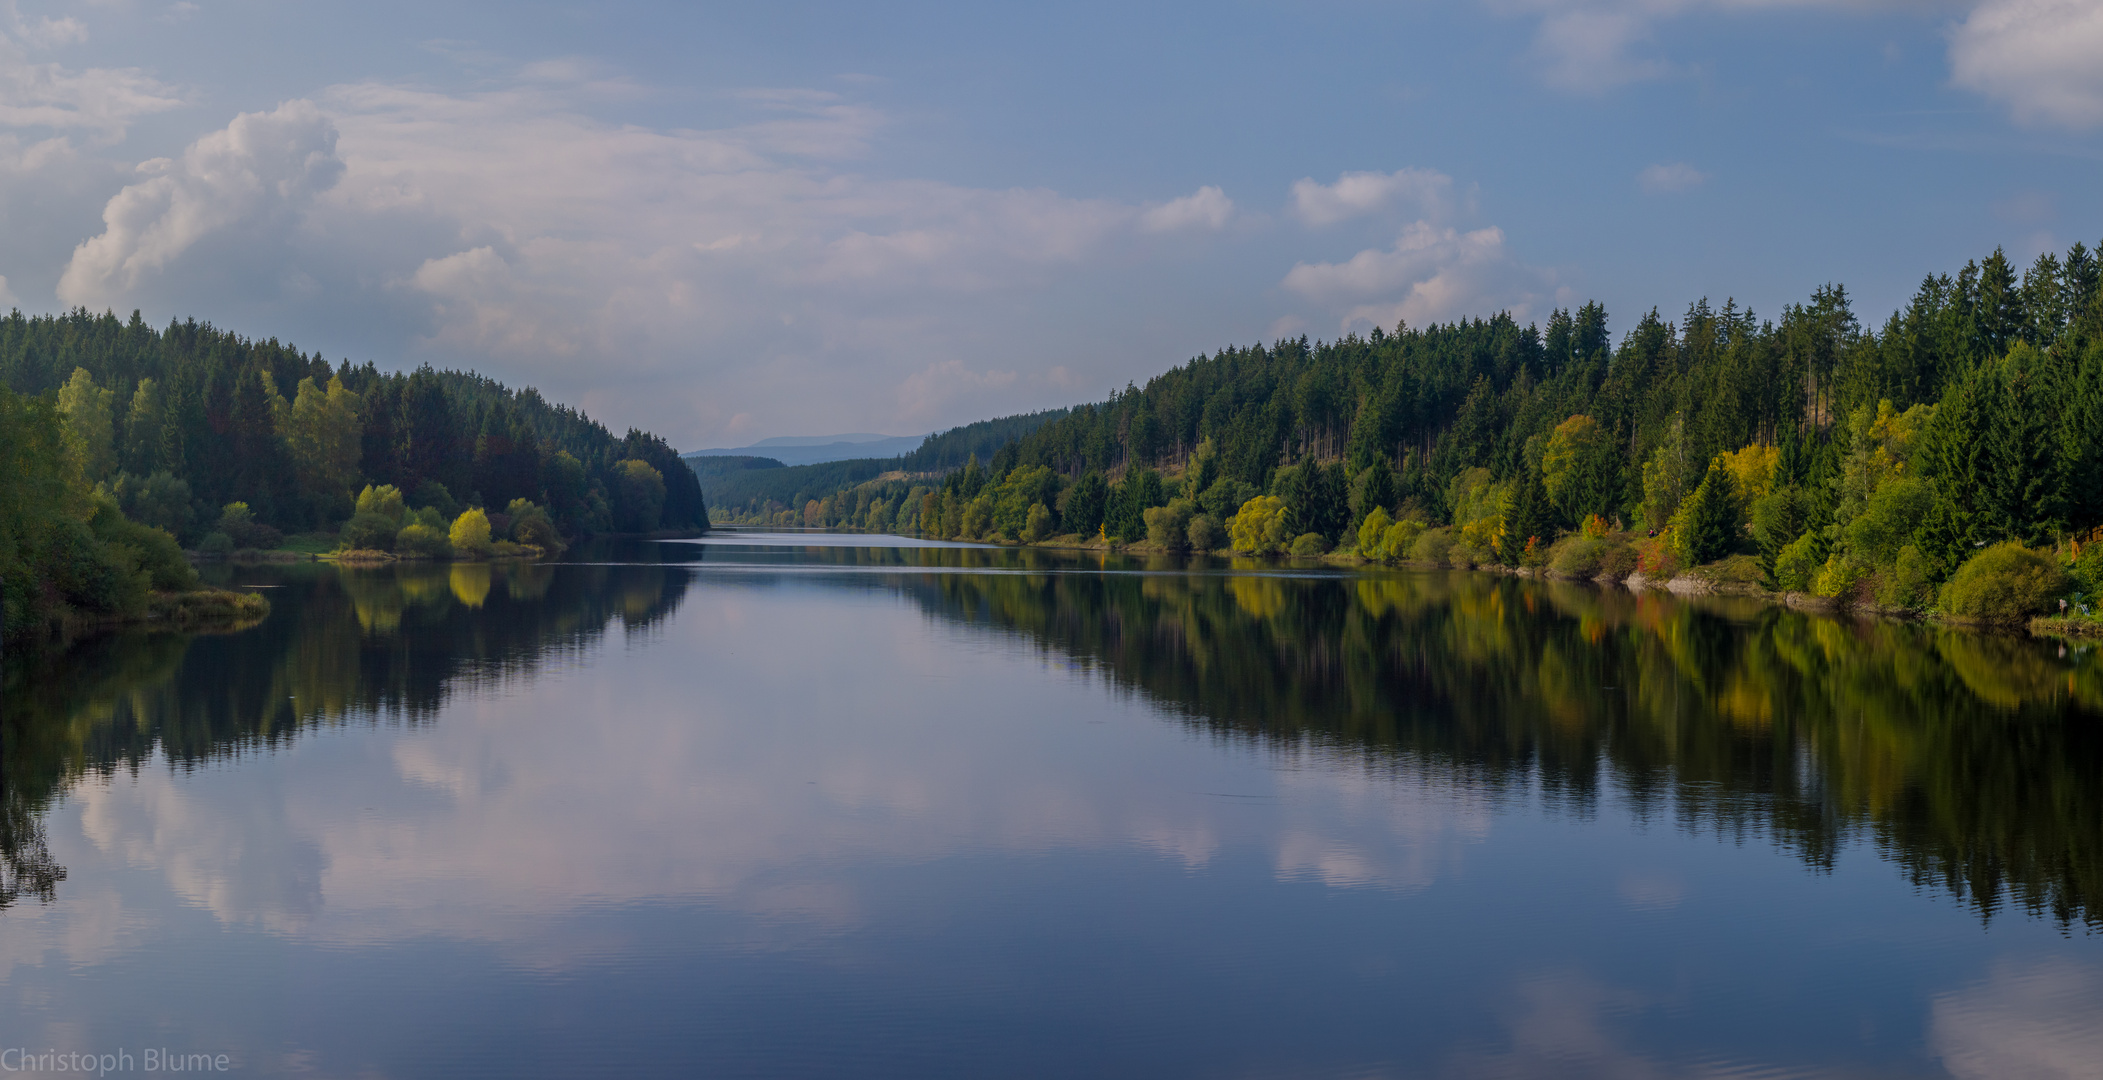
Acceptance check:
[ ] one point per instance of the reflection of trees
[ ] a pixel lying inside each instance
(1970, 760)
(340, 644)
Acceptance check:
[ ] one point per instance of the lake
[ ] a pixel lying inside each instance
(818, 805)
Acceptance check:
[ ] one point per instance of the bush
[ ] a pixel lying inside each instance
(217, 545)
(1400, 539)
(367, 530)
(1037, 526)
(237, 521)
(470, 535)
(1205, 533)
(1167, 527)
(153, 552)
(422, 541)
(1371, 532)
(2005, 583)
(1910, 583)
(1796, 563)
(1617, 562)
(1836, 577)
(1259, 529)
(530, 525)
(2088, 567)
(1309, 545)
(1433, 547)
(385, 500)
(1578, 556)
(432, 495)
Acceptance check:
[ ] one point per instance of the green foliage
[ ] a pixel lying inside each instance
(1372, 531)
(90, 428)
(434, 496)
(469, 535)
(1081, 506)
(1167, 527)
(1910, 583)
(384, 501)
(2006, 582)
(239, 522)
(1038, 527)
(1797, 563)
(418, 540)
(1778, 519)
(530, 524)
(1206, 534)
(1706, 526)
(1309, 545)
(161, 500)
(1581, 469)
(639, 496)
(154, 551)
(216, 545)
(1260, 527)
(1888, 519)
(1224, 498)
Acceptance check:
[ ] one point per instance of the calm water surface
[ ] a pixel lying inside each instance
(807, 806)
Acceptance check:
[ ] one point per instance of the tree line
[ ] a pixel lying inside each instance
(1838, 454)
(196, 431)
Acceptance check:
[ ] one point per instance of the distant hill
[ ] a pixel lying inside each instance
(817, 449)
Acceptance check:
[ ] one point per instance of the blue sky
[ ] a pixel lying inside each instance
(732, 222)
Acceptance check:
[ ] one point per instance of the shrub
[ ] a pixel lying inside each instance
(367, 530)
(422, 541)
(2005, 583)
(154, 552)
(470, 534)
(1259, 529)
(1400, 539)
(1578, 556)
(2088, 567)
(385, 500)
(1910, 583)
(538, 531)
(1836, 577)
(1205, 533)
(1433, 546)
(1617, 562)
(1167, 527)
(1371, 532)
(237, 521)
(1037, 526)
(432, 495)
(1796, 563)
(1309, 545)
(216, 545)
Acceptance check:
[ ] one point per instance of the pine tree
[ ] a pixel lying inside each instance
(1706, 528)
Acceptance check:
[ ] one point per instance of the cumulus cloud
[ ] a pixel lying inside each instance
(1206, 208)
(1432, 273)
(2043, 59)
(254, 177)
(676, 279)
(1670, 179)
(100, 101)
(1357, 193)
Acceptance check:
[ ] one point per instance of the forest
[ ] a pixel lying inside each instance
(1820, 454)
(126, 444)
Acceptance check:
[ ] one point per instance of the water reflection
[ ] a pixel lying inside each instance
(1128, 798)
(385, 643)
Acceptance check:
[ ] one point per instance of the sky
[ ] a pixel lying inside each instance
(728, 222)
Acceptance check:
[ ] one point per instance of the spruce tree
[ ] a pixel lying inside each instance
(1706, 528)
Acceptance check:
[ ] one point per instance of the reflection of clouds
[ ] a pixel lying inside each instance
(1570, 1026)
(2028, 1020)
(1653, 890)
(528, 803)
(1350, 821)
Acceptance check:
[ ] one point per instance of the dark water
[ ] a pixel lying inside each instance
(730, 809)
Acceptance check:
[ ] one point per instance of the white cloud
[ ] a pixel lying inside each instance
(1356, 193)
(254, 177)
(2043, 59)
(1432, 273)
(1591, 50)
(674, 279)
(1206, 208)
(1671, 178)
